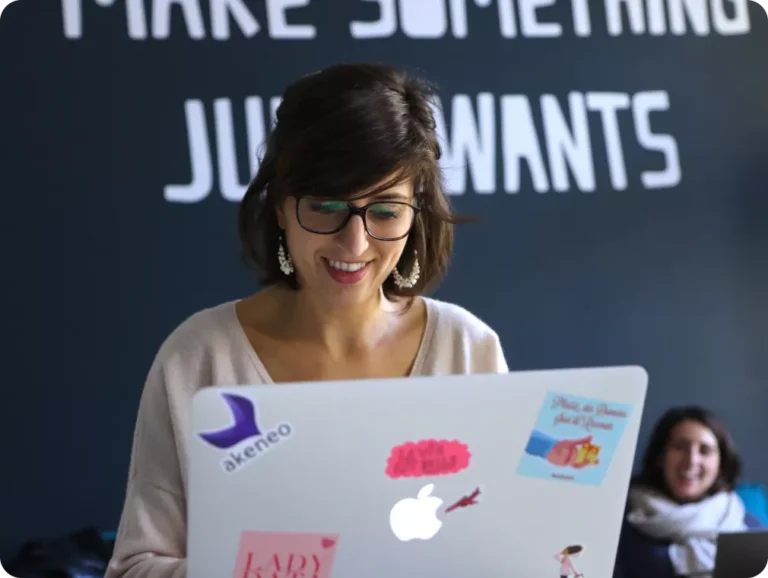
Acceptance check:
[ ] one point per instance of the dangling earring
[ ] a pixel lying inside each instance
(410, 281)
(286, 263)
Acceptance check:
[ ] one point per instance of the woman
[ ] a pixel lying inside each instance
(347, 224)
(684, 496)
(565, 559)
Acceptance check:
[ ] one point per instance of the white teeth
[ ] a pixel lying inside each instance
(344, 266)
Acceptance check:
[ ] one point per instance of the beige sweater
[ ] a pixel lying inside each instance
(210, 348)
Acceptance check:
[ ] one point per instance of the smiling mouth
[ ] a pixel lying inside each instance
(688, 478)
(346, 266)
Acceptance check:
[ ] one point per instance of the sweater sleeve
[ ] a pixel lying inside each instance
(151, 537)
(499, 360)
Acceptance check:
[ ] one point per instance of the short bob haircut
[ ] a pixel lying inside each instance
(652, 474)
(338, 133)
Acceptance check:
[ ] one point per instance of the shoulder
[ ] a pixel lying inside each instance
(205, 328)
(201, 350)
(463, 336)
(181, 366)
(460, 320)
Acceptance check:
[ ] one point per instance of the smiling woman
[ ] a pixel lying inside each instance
(348, 226)
(352, 141)
(682, 499)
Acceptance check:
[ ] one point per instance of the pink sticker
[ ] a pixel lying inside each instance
(565, 559)
(427, 458)
(285, 555)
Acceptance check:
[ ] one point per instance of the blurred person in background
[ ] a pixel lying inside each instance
(683, 498)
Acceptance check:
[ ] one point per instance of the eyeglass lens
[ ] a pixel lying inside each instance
(384, 220)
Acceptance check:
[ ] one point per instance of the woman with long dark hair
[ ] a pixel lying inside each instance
(683, 498)
(348, 226)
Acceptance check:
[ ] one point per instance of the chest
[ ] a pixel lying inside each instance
(292, 362)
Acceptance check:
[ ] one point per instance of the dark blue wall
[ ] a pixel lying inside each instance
(100, 267)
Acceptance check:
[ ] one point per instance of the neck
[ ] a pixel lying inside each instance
(338, 330)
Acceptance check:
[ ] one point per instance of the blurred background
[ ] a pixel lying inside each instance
(615, 152)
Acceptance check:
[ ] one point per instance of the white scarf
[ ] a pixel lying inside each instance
(692, 528)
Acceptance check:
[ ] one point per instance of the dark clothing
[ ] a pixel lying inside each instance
(640, 556)
(83, 554)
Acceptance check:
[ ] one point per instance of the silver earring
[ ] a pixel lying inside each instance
(286, 263)
(410, 281)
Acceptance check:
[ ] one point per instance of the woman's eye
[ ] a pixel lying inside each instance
(328, 207)
(384, 212)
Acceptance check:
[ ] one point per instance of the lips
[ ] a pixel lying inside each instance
(346, 272)
(347, 266)
(687, 481)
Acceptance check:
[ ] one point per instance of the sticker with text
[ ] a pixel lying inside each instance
(574, 439)
(427, 458)
(244, 440)
(285, 555)
(565, 559)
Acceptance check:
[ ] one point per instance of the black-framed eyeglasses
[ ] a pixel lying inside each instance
(383, 220)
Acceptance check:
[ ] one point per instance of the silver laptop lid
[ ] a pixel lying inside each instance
(483, 475)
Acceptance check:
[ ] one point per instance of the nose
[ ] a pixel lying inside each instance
(696, 457)
(692, 457)
(353, 238)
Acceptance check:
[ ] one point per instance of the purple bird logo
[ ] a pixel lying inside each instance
(244, 426)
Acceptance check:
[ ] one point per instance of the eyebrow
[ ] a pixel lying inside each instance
(390, 196)
(690, 441)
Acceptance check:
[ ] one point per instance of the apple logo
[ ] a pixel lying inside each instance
(416, 518)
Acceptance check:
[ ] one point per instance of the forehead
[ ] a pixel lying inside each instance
(693, 432)
(390, 188)
(395, 187)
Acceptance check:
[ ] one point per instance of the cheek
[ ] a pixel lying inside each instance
(671, 462)
(303, 245)
(390, 252)
(713, 466)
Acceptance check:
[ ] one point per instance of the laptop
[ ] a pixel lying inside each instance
(742, 555)
(519, 474)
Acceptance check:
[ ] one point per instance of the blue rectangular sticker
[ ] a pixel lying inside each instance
(574, 439)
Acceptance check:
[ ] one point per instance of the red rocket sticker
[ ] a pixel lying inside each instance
(465, 501)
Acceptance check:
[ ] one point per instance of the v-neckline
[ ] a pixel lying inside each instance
(416, 369)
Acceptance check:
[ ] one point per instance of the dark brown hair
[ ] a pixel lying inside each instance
(652, 474)
(339, 133)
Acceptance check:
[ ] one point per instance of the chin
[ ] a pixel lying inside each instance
(347, 294)
(690, 494)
